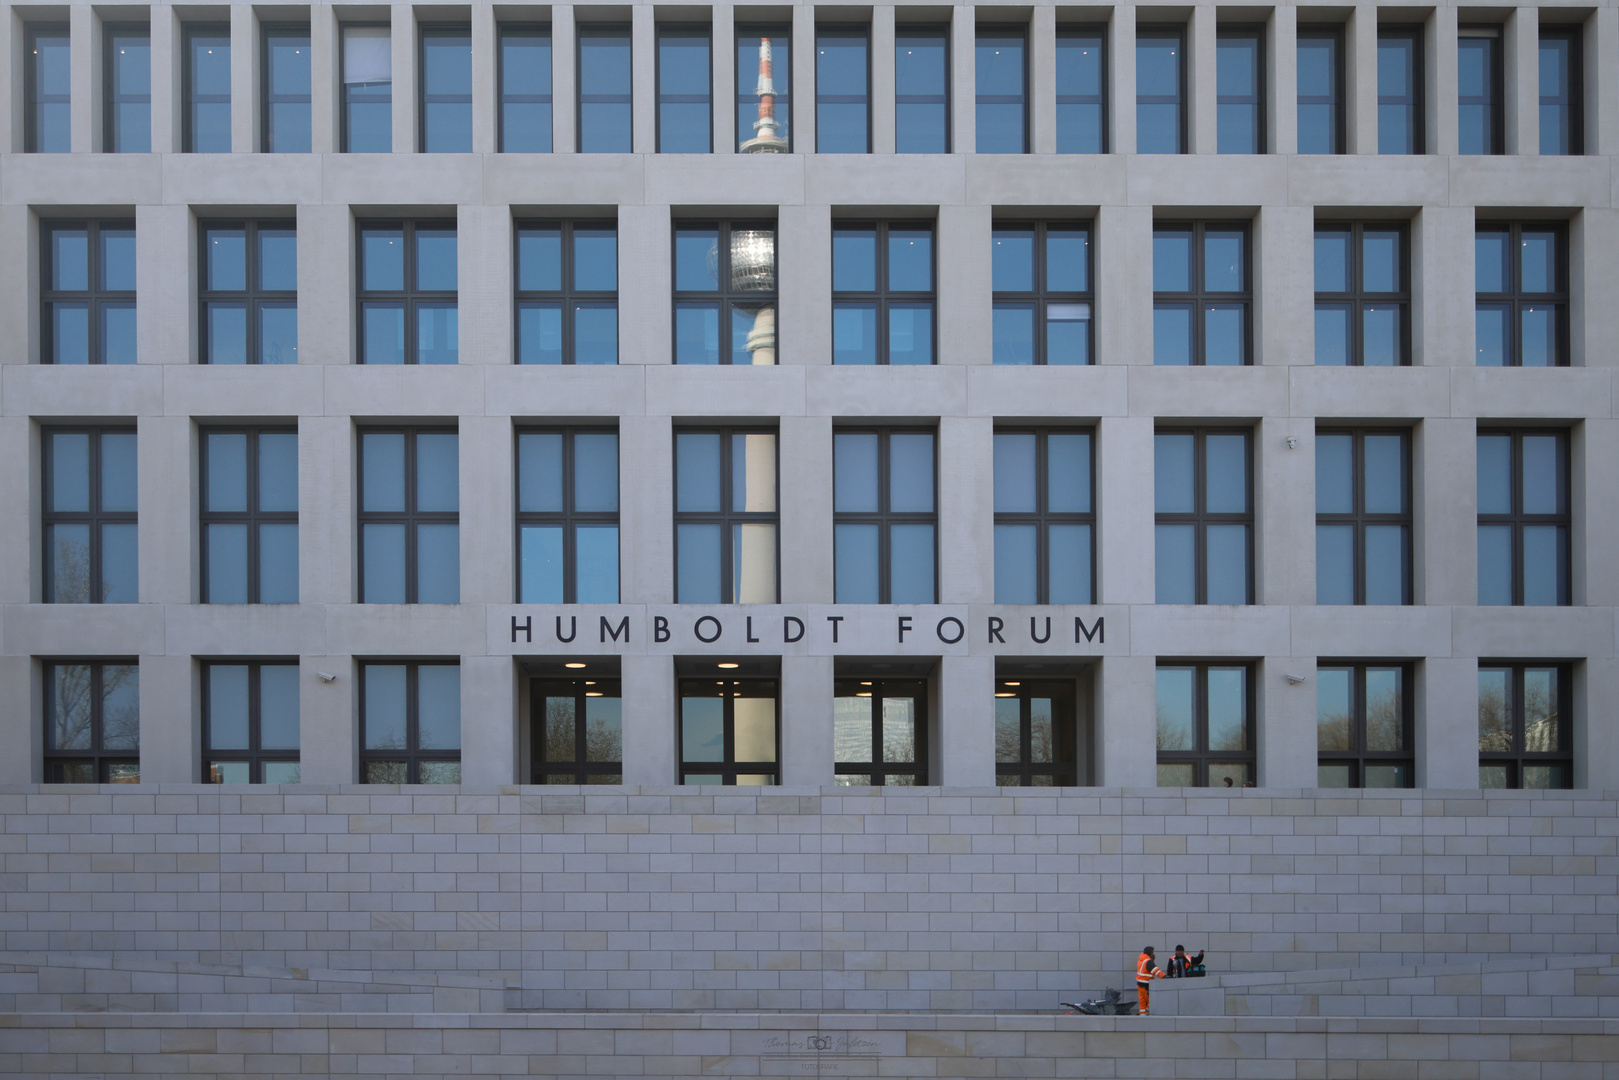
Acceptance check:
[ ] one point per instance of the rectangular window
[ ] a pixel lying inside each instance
(578, 731)
(1562, 81)
(1035, 733)
(1363, 725)
(249, 297)
(1399, 91)
(1480, 91)
(885, 517)
(93, 722)
(567, 516)
(1521, 275)
(1203, 484)
(1321, 91)
(1201, 294)
(1362, 295)
(250, 723)
(1205, 724)
(843, 90)
(446, 90)
(407, 293)
(725, 517)
(728, 731)
(1362, 517)
(605, 122)
(127, 79)
(880, 732)
(250, 516)
(1001, 68)
(48, 90)
(567, 292)
(286, 90)
(525, 89)
(764, 89)
(1523, 518)
(367, 90)
(1240, 90)
(1042, 280)
(90, 505)
(725, 293)
(410, 502)
(1081, 90)
(1160, 91)
(410, 723)
(1044, 517)
(882, 293)
(206, 128)
(685, 95)
(1524, 736)
(922, 90)
(87, 292)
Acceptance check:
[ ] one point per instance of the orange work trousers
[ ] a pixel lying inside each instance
(1141, 995)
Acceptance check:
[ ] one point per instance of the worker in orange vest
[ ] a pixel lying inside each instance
(1146, 971)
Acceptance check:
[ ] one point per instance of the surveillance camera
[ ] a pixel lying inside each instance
(326, 676)
(1294, 679)
(1292, 442)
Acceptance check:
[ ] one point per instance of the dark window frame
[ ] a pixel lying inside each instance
(1043, 518)
(1177, 32)
(110, 97)
(268, 97)
(579, 770)
(411, 754)
(1199, 299)
(1357, 298)
(1417, 101)
(1359, 519)
(424, 32)
(1516, 299)
(343, 101)
(568, 298)
(1084, 31)
(882, 298)
(877, 771)
(94, 518)
(1255, 32)
(729, 768)
(503, 97)
(1199, 517)
(725, 517)
(253, 298)
(189, 97)
(102, 761)
(1358, 757)
(725, 295)
(252, 517)
(1042, 296)
(748, 98)
(411, 298)
(1024, 771)
(1336, 35)
(884, 517)
(1020, 31)
(863, 32)
(95, 299)
(254, 755)
(567, 519)
(1518, 520)
(602, 30)
(663, 30)
(1518, 758)
(409, 517)
(33, 101)
(1496, 101)
(1201, 758)
(1575, 104)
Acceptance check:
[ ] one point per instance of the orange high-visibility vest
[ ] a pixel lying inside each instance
(1145, 971)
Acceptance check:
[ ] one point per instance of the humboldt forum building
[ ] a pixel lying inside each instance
(790, 540)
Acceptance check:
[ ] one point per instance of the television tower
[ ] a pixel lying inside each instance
(767, 138)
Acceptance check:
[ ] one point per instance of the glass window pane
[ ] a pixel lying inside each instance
(595, 472)
(1227, 568)
(1172, 260)
(1177, 709)
(1495, 474)
(1387, 775)
(604, 91)
(1225, 459)
(1068, 333)
(1176, 576)
(438, 707)
(1492, 267)
(278, 564)
(1382, 338)
(525, 92)
(910, 260)
(1491, 332)
(118, 471)
(70, 472)
(1545, 565)
(1334, 474)
(1332, 260)
(753, 472)
(383, 327)
(854, 333)
(1012, 260)
(70, 333)
(1158, 94)
(227, 471)
(855, 472)
(1538, 251)
(911, 564)
(1332, 334)
(120, 707)
(595, 259)
(540, 549)
(596, 557)
(854, 260)
(437, 334)
(539, 471)
(1334, 709)
(899, 730)
(1494, 711)
(539, 334)
(764, 80)
(118, 259)
(1172, 335)
(702, 728)
(841, 87)
(539, 259)
(910, 475)
(1334, 564)
(68, 552)
(1013, 333)
(910, 334)
(683, 92)
(920, 112)
(697, 472)
(384, 707)
(1385, 474)
(1397, 89)
(227, 258)
(227, 563)
(280, 772)
(382, 578)
(559, 743)
(1495, 564)
(1174, 774)
(1000, 75)
(1016, 564)
(382, 259)
(595, 333)
(1069, 564)
(1381, 265)
(1068, 471)
(697, 334)
(1068, 260)
(1225, 335)
(119, 564)
(435, 259)
(117, 333)
(1385, 564)
(604, 729)
(437, 471)
(278, 333)
(852, 728)
(446, 92)
(1173, 478)
(382, 481)
(855, 564)
(1540, 704)
(438, 564)
(278, 471)
(1015, 472)
(1223, 261)
(1008, 731)
(1538, 345)
(1332, 776)
(1228, 708)
(697, 570)
(1542, 474)
(1385, 712)
(227, 707)
(753, 558)
(696, 259)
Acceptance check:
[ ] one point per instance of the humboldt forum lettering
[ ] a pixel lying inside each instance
(608, 540)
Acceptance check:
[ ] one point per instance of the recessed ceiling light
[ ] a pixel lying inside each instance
(863, 693)
(865, 684)
(573, 664)
(590, 682)
(1011, 684)
(593, 693)
(1004, 693)
(728, 665)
